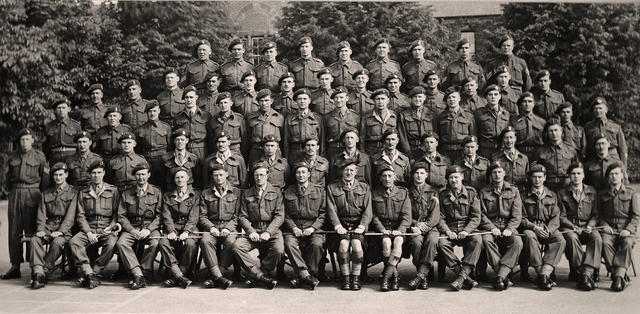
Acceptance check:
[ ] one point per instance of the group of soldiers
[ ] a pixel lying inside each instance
(295, 160)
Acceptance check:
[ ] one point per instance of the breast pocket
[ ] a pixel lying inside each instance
(119, 170)
(294, 129)
(291, 205)
(33, 168)
(379, 208)
(194, 73)
(462, 128)
(518, 75)
(253, 208)
(233, 128)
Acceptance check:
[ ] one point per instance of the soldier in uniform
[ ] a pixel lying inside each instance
(269, 71)
(391, 157)
(572, 134)
(435, 98)
(318, 166)
(133, 111)
(278, 166)
(231, 161)
(470, 100)
(305, 209)
(337, 121)
(547, 99)
(283, 101)
(154, 137)
(231, 72)
(91, 116)
(119, 167)
(344, 69)
(170, 98)
(27, 175)
(97, 216)
(474, 167)
(208, 97)
(460, 216)
(501, 214)
(195, 73)
(514, 163)
(453, 125)
(55, 217)
(578, 217)
(321, 101)
(349, 212)
(382, 66)
(540, 223)
(619, 212)
(529, 127)
(139, 213)
(490, 121)
(106, 143)
(79, 163)
(306, 67)
(391, 209)
(218, 215)
(398, 101)
(414, 123)
(58, 145)
(596, 165)
(232, 123)
(436, 163)
(261, 123)
(260, 215)
(194, 122)
(464, 68)
(350, 139)
(556, 156)
(180, 157)
(180, 213)
(602, 125)
(376, 122)
(518, 70)
(508, 94)
(244, 100)
(301, 125)
(414, 70)
(360, 97)
(425, 216)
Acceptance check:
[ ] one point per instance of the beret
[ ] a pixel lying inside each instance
(598, 137)
(537, 168)
(598, 101)
(299, 164)
(383, 168)
(430, 73)
(81, 135)
(96, 164)
(131, 83)
(215, 167)
(323, 72)
(552, 121)
(140, 166)
(506, 130)
(574, 165)
(112, 110)
(360, 72)
(234, 42)
(25, 131)
(504, 38)
(304, 40)
(222, 96)
(200, 43)
(59, 166)
(179, 132)
(417, 90)
(523, 96)
(416, 43)
(382, 41)
(151, 104)
(563, 106)
(300, 92)
(542, 74)
(468, 79)
(220, 134)
(493, 165)
(269, 138)
(348, 161)
(127, 136)
(342, 45)
(248, 73)
(257, 165)
(389, 132)
(461, 43)
(286, 75)
(268, 45)
(453, 169)
(501, 69)
(449, 91)
(189, 89)
(611, 167)
(429, 134)
(354, 130)
(265, 92)
(469, 139)
(392, 77)
(58, 101)
(339, 90)
(492, 87)
(379, 91)
(419, 165)
(94, 87)
(170, 70)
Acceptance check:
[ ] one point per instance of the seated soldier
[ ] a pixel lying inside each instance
(55, 217)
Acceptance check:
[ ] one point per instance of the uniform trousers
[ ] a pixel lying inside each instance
(304, 252)
(532, 252)
(79, 245)
(471, 247)
(576, 255)
(502, 251)
(127, 253)
(177, 252)
(424, 248)
(617, 251)
(42, 258)
(271, 250)
(210, 247)
(23, 206)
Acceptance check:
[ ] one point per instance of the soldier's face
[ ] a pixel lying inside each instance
(537, 179)
(391, 141)
(225, 104)
(62, 111)
(249, 82)
(114, 118)
(381, 101)
(465, 51)
(600, 111)
(417, 100)
(213, 83)
(204, 52)
(555, 132)
(566, 114)
(219, 177)
(470, 149)
(418, 52)
(142, 176)
(270, 54)
(615, 177)
(497, 175)
(509, 140)
(470, 88)
(270, 148)
(97, 175)
(526, 105)
(287, 84)
(190, 100)
(83, 144)
(265, 103)
(350, 140)
(503, 79)
(237, 51)
(181, 179)
(493, 97)
(303, 101)
(302, 174)
(362, 80)
(387, 178)
(453, 102)
(340, 100)
(60, 177)
(180, 142)
(394, 85)
(306, 49)
(325, 81)
(223, 144)
(419, 176)
(430, 145)
(26, 142)
(432, 81)
(154, 113)
(602, 146)
(96, 96)
(311, 148)
(544, 83)
(507, 47)
(134, 92)
(576, 176)
(261, 176)
(127, 145)
(171, 80)
(455, 180)
(382, 50)
(344, 54)
(349, 172)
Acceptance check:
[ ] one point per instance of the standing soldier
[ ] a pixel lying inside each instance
(391, 208)
(321, 98)
(278, 166)
(508, 94)
(153, 138)
(514, 163)
(270, 70)
(490, 121)
(120, 166)
(528, 127)
(55, 217)
(350, 139)
(260, 215)
(27, 175)
(376, 122)
(414, 123)
(578, 217)
(108, 136)
(596, 165)
(170, 98)
(305, 210)
(232, 162)
(306, 67)
(194, 122)
(460, 216)
(133, 111)
(58, 144)
(414, 70)
(79, 163)
(397, 100)
(91, 116)
(390, 157)
(540, 222)
(232, 123)
(97, 216)
(382, 66)
(300, 126)
(360, 97)
(195, 73)
(518, 70)
(619, 212)
(547, 99)
(601, 125)
(501, 214)
(464, 68)
(318, 166)
(244, 101)
(283, 102)
(471, 101)
(261, 123)
(572, 134)
(338, 121)
(178, 158)
(139, 213)
(474, 167)
(208, 97)
(435, 98)
(344, 69)
(436, 163)
(556, 156)
(349, 212)
(231, 72)
(453, 125)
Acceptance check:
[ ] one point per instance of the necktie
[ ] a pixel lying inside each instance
(140, 192)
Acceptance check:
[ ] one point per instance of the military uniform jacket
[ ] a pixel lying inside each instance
(78, 166)
(373, 126)
(97, 211)
(91, 117)
(453, 128)
(220, 211)
(461, 213)
(140, 212)
(133, 113)
(472, 103)
(612, 131)
(415, 70)
(181, 215)
(546, 102)
(261, 213)
(195, 72)
(195, 125)
(170, 103)
(413, 124)
(557, 159)
(319, 170)
(475, 173)
(595, 168)
(391, 208)
(517, 68)
(231, 73)
(500, 209)
(515, 168)
(298, 129)
(336, 123)
(321, 101)
(457, 71)
(380, 69)
(268, 74)
(540, 211)
(170, 164)
(235, 166)
(304, 209)
(529, 129)
(435, 101)
(360, 101)
(106, 141)
(278, 171)
(284, 103)
(364, 166)
(619, 210)
(398, 102)
(305, 71)
(399, 162)
(232, 124)
(59, 134)
(29, 169)
(208, 102)
(349, 206)
(425, 206)
(244, 102)
(490, 124)
(343, 73)
(153, 138)
(436, 170)
(578, 211)
(120, 167)
(509, 99)
(260, 125)
(573, 135)
(57, 210)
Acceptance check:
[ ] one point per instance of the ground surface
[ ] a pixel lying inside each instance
(63, 296)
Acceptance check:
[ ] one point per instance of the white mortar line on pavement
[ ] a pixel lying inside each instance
(148, 290)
